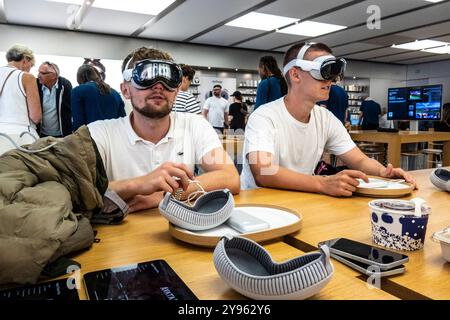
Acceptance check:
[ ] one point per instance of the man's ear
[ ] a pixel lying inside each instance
(294, 75)
(125, 90)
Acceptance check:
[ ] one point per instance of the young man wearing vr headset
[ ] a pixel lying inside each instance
(153, 150)
(285, 139)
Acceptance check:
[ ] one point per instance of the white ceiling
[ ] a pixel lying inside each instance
(203, 21)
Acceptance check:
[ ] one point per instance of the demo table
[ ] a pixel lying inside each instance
(394, 141)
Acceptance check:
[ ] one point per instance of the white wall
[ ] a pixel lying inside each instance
(431, 73)
(379, 89)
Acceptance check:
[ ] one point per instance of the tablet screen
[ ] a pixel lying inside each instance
(152, 280)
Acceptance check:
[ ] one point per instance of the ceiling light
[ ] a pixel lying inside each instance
(419, 44)
(312, 28)
(434, 1)
(135, 6)
(261, 21)
(78, 2)
(439, 50)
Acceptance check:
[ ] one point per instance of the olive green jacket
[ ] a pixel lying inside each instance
(46, 201)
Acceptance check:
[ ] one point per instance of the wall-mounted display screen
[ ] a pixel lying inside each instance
(415, 103)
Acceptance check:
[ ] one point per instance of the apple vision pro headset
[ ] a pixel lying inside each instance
(326, 67)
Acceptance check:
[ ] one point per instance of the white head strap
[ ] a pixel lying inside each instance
(300, 56)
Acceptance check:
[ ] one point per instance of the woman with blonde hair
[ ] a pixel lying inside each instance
(20, 108)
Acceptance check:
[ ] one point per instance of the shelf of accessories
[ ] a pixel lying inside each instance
(356, 97)
(247, 87)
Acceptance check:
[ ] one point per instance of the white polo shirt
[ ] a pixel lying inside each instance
(126, 155)
(294, 145)
(216, 110)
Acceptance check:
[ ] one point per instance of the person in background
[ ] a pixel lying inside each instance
(273, 85)
(97, 65)
(54, 92)
(215, 110)
(238, 110)
(185, 101)
(285, 139)
(444, 124)
(93, 99)
(20, 109)
(370, 114)
(154, 150)
(337, 102)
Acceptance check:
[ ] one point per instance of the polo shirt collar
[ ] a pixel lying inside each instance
(134, 138)
(55, 86)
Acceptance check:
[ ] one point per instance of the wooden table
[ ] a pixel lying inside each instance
(395, 140)
(144, 236)
(427, 273)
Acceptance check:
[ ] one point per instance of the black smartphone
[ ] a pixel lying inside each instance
(365, 253)
(366, 269)
(152, 280)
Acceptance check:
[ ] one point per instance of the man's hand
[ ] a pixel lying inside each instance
(391, 172)
(167, 177)
(342, 184)
(145, 202)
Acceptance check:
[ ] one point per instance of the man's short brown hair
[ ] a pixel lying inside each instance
(143, 53)
(293, 51)
(187, 71)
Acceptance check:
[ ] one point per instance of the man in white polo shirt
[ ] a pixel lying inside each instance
(153, 150)
(216, 108)
(285, 139)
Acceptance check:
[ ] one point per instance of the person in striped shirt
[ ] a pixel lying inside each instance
(185, 101)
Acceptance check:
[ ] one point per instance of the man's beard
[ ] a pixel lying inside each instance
(150, 112)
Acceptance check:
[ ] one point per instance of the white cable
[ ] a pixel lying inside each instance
(23, 149)
(192, 195)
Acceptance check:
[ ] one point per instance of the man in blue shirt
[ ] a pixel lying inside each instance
(337, 102)
(54, 92)
(370, 113)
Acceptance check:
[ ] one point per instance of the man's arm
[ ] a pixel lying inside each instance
(220, 173)
(361, 116)
(160, 179)
(66, 112)
(267, 174)
(357, 160)
(225, 117)
(205, 109)
(205, 113)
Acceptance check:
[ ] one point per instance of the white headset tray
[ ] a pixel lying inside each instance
(281, 221)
